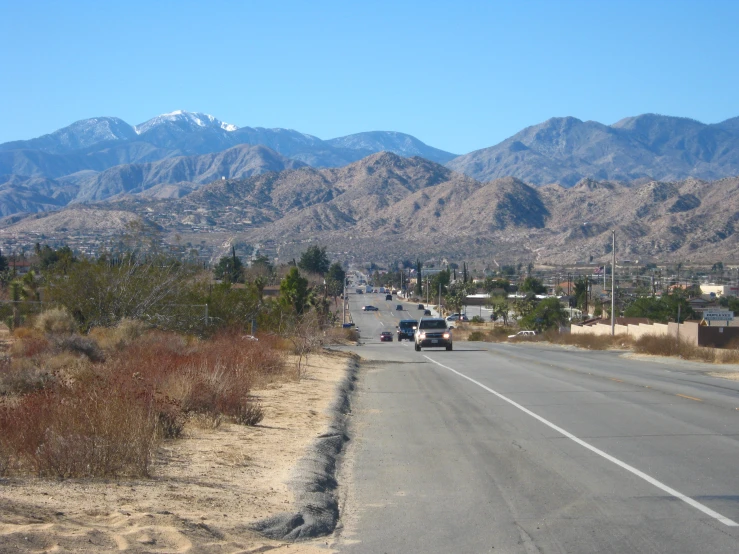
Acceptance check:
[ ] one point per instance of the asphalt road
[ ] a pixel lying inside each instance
(533, 448)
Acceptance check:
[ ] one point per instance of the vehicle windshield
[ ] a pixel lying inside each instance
(433, 324)
(407, 324)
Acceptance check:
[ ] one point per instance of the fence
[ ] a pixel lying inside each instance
(690, 332)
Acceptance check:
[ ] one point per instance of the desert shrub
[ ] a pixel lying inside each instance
(588, 341)
(476, 336)
(339, 335)
(250, 413)
(55, 321)
(22, 376)
(83, 432)
(669, 346)
(477, 319)
(81, 345)
(120, 336)
(29, 343)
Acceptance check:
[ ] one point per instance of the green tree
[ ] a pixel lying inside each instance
(532, 284)
(294, 292)
(3, 262)
(335, 279)
(314, 260)
(548, 314)
(229, 269)
(501, 309)
(581, 292)
(662, 309)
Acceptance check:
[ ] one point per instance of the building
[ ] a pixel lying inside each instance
(718, 291)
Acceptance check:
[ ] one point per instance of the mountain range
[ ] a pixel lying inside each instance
(174, 154)
(386, 207)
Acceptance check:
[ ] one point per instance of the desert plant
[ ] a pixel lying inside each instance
(55, 321)
(81, 345)
(476, 336)
(249, 413)
(477, 320)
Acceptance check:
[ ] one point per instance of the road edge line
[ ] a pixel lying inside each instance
(651, 480)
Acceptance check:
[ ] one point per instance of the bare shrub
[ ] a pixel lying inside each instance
(476, 336)
(120, 336)
(22, 376)
(56, 321)
(29, 343)
(339, 335)
(670, 346)
(588, 341)
(206, 421)
(250, 413)
(85, 432)
(81, 345)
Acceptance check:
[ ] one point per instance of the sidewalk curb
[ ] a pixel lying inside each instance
(314, 482)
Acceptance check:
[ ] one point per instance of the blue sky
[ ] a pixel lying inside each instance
(458, 75)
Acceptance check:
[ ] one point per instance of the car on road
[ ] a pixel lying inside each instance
(421, 307)
(406, 328)
(427, 312)
(463, 317)
(399, 307)
(388, 297)
(370, 309)
(452, 317)
(386, 336)
(432, 332)
(523, 335)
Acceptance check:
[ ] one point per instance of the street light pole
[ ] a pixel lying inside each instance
(343, 313)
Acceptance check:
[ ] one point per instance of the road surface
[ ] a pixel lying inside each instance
(535, 448)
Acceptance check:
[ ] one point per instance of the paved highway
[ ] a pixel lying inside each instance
(535, 448)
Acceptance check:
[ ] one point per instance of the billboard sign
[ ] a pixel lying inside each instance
(715, 315)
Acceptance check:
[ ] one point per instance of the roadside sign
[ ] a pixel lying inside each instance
(718, 316)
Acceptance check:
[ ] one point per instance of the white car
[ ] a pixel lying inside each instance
(522, 335)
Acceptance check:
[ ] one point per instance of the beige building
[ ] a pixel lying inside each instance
(720, 290)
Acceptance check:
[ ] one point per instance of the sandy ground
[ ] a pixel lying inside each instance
(733, 375)
(204, 492)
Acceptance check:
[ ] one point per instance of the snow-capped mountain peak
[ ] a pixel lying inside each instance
(182, 118)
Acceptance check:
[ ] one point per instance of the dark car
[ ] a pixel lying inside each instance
(386, 336)
(388, 297)
(370, 309)
(399, 307)
(427, 312)
(406, 328)
(421, 307)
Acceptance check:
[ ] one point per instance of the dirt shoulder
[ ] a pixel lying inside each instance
(205, 491)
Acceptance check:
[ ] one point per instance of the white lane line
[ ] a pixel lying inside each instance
(669, 490)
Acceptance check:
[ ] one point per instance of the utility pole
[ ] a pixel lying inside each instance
(613, 286)
(427, 289)
(439, 296)
(343, 313)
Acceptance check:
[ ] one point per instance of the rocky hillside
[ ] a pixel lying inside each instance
(386, 207)
(566, 150)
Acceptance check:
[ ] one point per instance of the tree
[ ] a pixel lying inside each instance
(335, 279)
(581, 292)
(294, 291)
(501, 310)
(547, 314)
(3, 262)
(229, 269)
(532, 284)
(456, 297)
(464, 272)
(662, 309)
(314, 260)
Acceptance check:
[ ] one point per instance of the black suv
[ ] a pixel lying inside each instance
(433, 332)
(406, 328)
